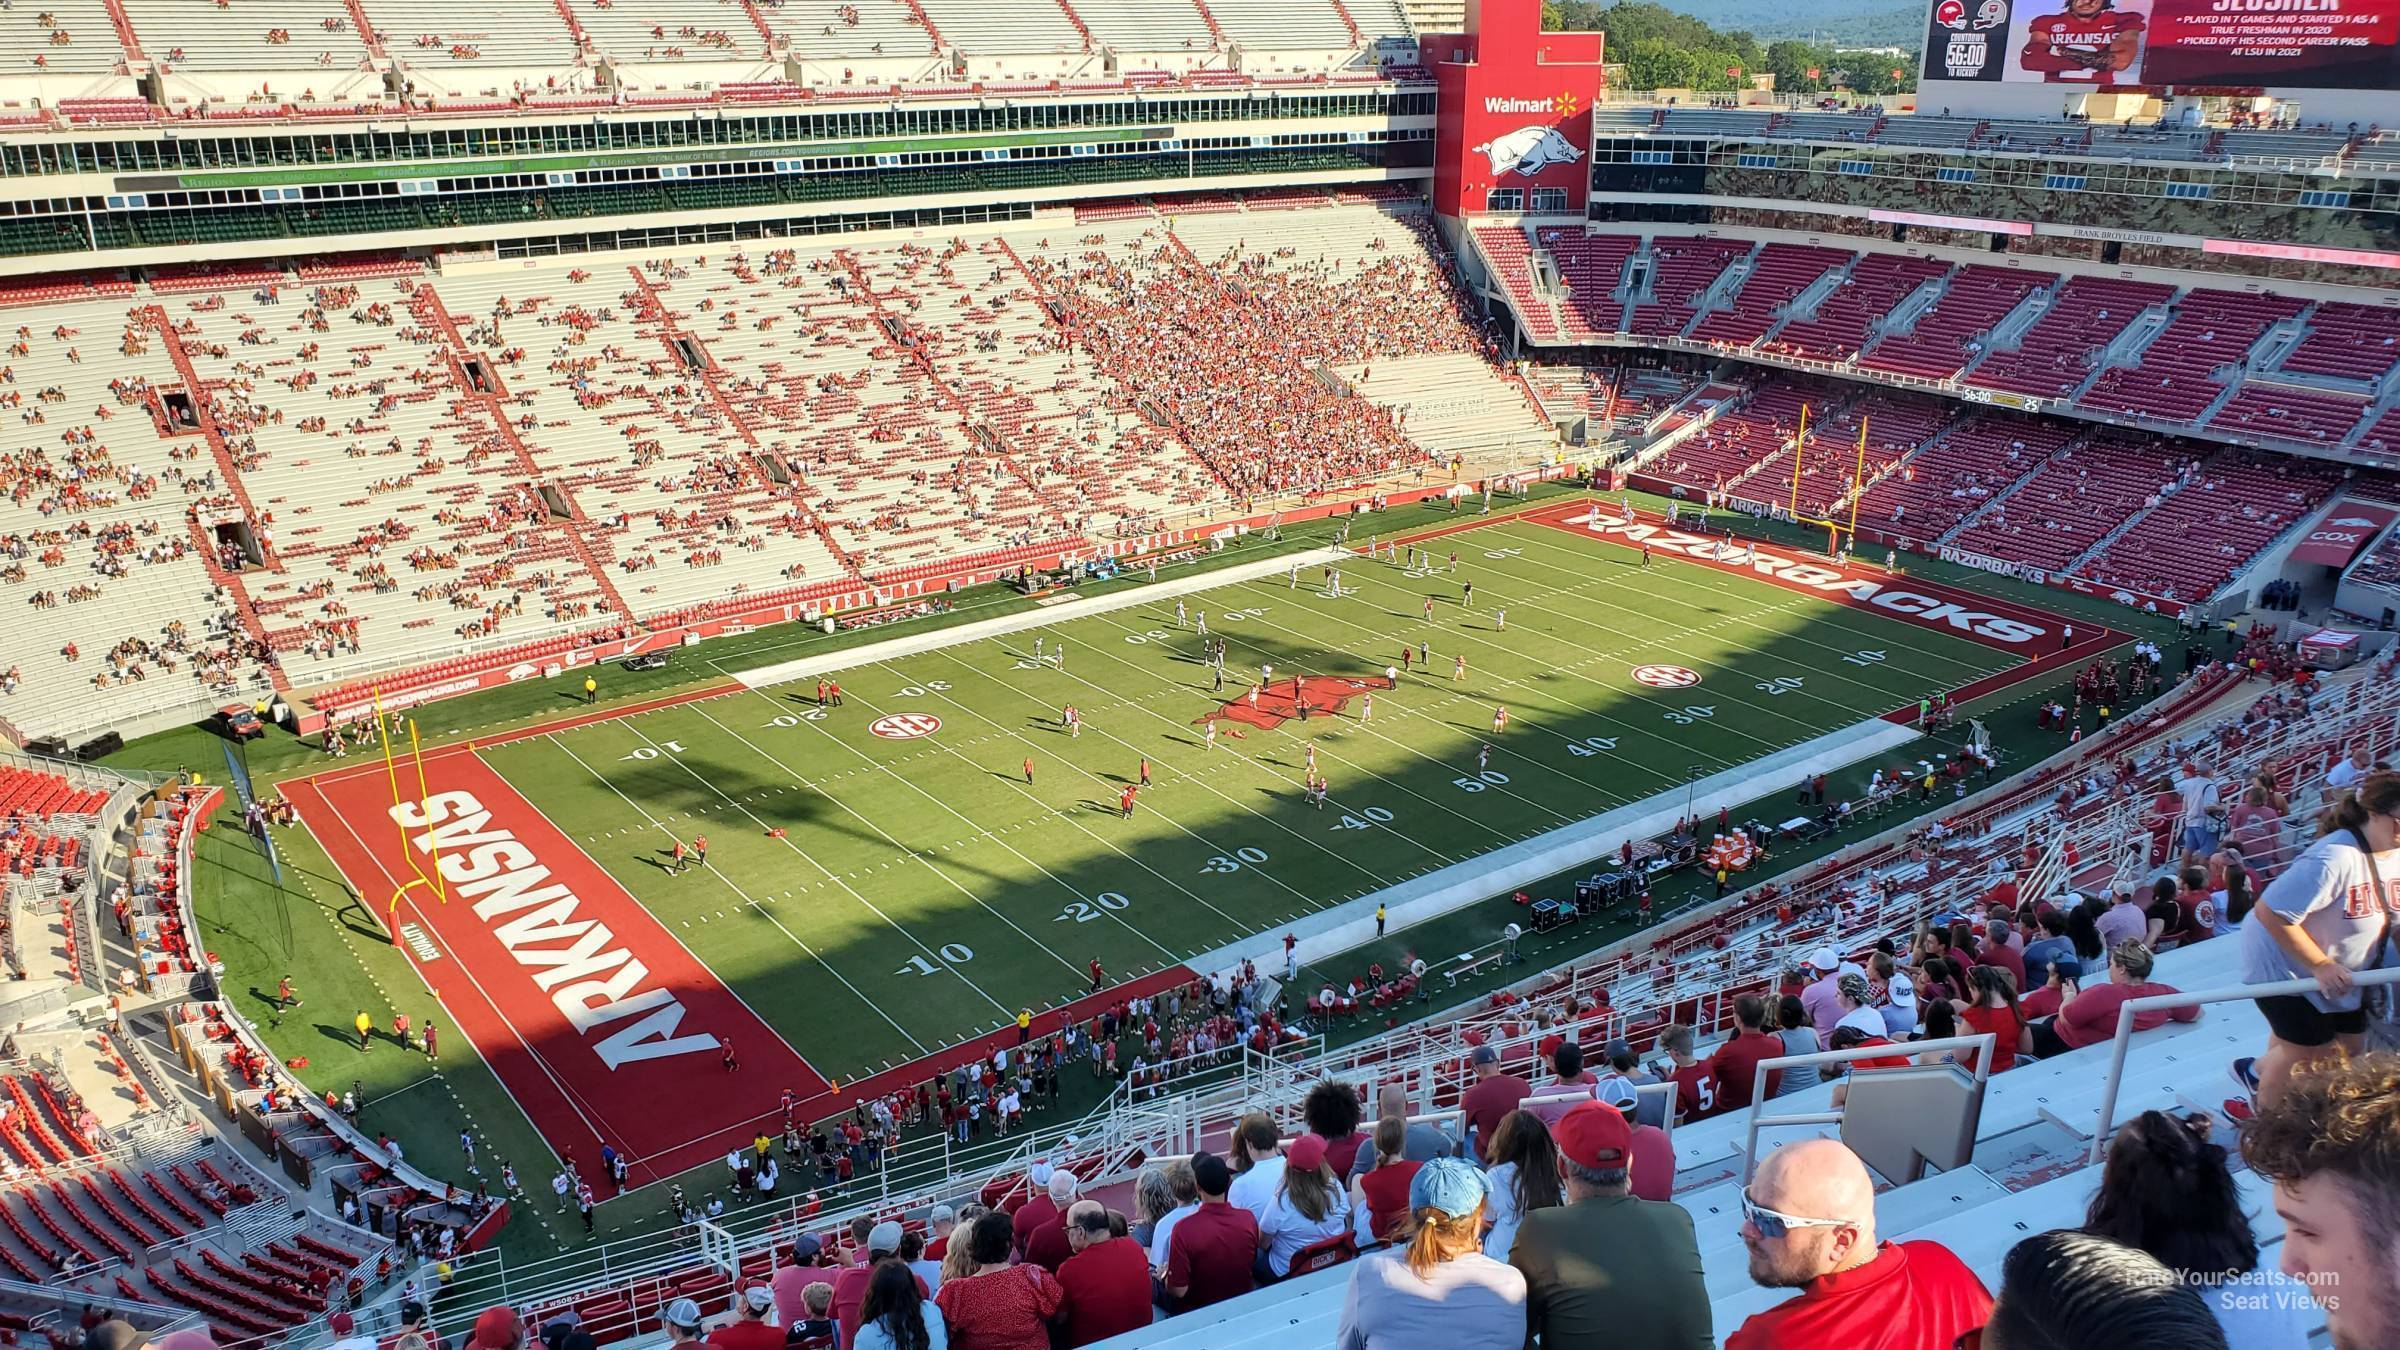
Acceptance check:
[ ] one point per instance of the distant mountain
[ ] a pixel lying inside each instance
(1844, 23)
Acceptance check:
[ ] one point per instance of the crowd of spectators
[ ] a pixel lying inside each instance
(1230, 346)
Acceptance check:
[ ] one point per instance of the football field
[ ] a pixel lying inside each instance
(896, 876)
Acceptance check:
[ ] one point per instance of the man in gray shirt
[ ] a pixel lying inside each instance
(1425, 1142)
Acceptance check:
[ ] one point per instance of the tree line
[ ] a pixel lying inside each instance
(1661, 49)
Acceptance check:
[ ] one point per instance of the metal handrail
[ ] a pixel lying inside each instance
(1981, 1042)
(2134, 1007)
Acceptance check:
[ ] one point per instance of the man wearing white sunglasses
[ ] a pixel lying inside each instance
(1808, 1220)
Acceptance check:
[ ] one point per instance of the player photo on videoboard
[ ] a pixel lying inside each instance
(2294, 44)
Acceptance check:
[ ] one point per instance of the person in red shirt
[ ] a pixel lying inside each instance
(1997, 952)
(1653, 1155)
(1107, 1279)
(1044, 1210)
(1808, 1222)
(751, 1330)
(1381, 1192)
(1210, 1251)
(1332, 1111)
(1494, 1095)
(2091, 1016)
(1695, 1080)
(2198, 906)
(850, 1286)
(1045, 1242)
(1735, 1065)
(1994, 1009)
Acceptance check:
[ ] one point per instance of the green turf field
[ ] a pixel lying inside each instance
(921, 890)
(310, 923)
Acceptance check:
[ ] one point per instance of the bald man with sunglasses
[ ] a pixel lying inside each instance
(1808, 1220)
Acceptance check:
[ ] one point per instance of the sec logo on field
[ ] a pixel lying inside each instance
(1666, 677)
(905, 726)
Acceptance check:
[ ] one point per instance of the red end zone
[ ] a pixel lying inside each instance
(2043, 639)
(597, 1019)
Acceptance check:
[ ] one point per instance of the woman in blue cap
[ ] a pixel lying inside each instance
(1437, 1287)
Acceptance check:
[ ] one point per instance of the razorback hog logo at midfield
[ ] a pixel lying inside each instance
(1929, 610)
(1528, 151)
(1279, 702)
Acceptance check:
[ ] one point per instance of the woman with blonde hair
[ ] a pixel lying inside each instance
(1439, 1288)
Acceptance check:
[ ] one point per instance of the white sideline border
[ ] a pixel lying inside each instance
(892, 649)
(1340, 928)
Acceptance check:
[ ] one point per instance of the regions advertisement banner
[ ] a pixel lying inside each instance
(2298, 44)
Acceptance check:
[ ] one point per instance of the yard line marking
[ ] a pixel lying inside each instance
(1182, 729)
(1071, 817)
(735, 887)
(1369, 729)
(913, 856)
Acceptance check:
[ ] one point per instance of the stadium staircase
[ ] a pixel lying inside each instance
(430, 310)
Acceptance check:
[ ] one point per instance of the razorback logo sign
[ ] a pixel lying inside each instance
(1280, 702)
(1893, 597)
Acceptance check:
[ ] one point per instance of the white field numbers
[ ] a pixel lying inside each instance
(1864, 658)
(921, 690)
(1234, 863)
(951, 954)
(1150, 635)
(1477, 782)
(652, 751)
(1781, 684)
(1591, 745)
(1368, 818)
(1685, 716)
(1084, 911)
(795, 719)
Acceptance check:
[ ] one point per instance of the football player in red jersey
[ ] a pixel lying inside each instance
(2092, 43)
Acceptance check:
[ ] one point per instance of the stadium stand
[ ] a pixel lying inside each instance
(2032, 1134)
(390, 465)
(1876, 285)
(2214, 522)
(2179, 375)
(1957, 328)
(1982, 457)
(1684, 272)
(2081, 495)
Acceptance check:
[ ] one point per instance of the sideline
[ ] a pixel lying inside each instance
(1339, 928)
(1062, 610)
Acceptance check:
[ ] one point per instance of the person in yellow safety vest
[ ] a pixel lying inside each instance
(591, 689)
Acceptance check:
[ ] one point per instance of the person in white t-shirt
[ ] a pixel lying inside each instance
(1308, 1206)
(2323, 919)
(2201, 816)
(1257, 1139)
(2345, 775)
